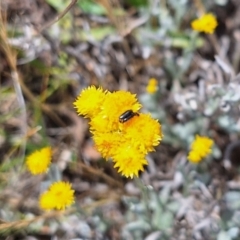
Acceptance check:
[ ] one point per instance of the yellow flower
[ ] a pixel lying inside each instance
(143, 132)
(115, 105)
(200, 148)
(206, 23)
(89, 102)
(47, 201)
(39, 161)
(129, 161)
(59, 196)
(107, 143)
(128, 142)
(152, 86)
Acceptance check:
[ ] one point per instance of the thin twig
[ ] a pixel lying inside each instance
(200, 7)
(58, 17)
(24, 223)
(11, 58)
(215, 44)
(56, 214)
(95, 172)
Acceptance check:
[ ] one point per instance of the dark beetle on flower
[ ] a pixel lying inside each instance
(127, 115)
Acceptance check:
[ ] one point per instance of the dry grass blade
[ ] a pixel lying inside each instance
(11, 58)
(120, 19)
(59, 16)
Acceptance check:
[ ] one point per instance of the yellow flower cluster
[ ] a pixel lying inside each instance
(206, 23)
(152, 86)
(39, 161)
(200, 148)
(119, 131)
(58, 196)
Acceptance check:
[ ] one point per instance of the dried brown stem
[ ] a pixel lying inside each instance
(200, 7)
(11, 58)
(58, 17)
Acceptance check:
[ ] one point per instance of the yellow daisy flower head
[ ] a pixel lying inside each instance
(152, 86)
(143, 132)
(90, 100)
(59, 196)
(121, 133)
(206, 23)
(115, 105)
(201, 147)
(47, 201)
(39, 161)
(107, 143)
(129, 161)
(101, 123)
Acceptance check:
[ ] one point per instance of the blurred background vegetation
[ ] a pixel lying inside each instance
(46, 61)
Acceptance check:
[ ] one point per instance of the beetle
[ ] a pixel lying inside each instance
(127, 115)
